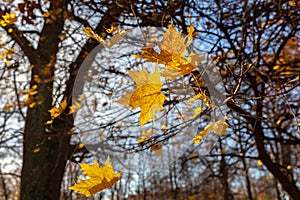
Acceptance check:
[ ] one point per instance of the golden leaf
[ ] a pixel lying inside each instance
(125, 99)
(218, 128)
(75, 107)
(192, 197)
(141, 140)
(56, 111)
(174, 43)
(8, 19)
(81, 145)
(111, 29)
(36, 150)
(37, 79)
(115, 38)
(172, 49)
(100, 178)
(259, 163)
(197, 111)
(7, 107)
(197, 139)
(49, 122)
(211, 195)
(202, 96)
(143, 77)
(146, 96)
(9, 52)
(81, 97)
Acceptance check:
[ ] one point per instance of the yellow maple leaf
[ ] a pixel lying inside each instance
(173, 42)
(142, 139)
(111, 29)
(100, 178)
(113, 40)
(172, 49)
(197, 111)
(197, 139)
(143, 77)
(146, 96)
(218, 128)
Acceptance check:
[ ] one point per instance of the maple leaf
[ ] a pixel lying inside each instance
(115, 38)
(218, 128)
(100, 178)
(172, 49)
(174, 43)
(146, 96)
(201, 95)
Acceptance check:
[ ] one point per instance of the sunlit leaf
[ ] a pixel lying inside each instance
(147, 96)
(7, 107)
(56, 111)
(115, 38)
(8, 19)
(197, 111)
(75, 107)
(172, 49)
(36, 150)
(174, 42)
(218, 128)
(141, 140)
(100, 178)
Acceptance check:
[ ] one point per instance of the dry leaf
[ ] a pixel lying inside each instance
(100, 178)
(115, 38)
(172, 49)
(146, 96)
(218, 128)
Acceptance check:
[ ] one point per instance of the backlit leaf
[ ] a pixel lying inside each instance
(218, 128)
(115, 38)
(100, 178)
(8, 19)
(147, 96)
(172, 49)
(56, 111)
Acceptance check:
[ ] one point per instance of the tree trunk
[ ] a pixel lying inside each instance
(44, 150)
(47, 147)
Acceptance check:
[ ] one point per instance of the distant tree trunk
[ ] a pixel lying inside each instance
(224, 176)
(248, 183)
(258, 133)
